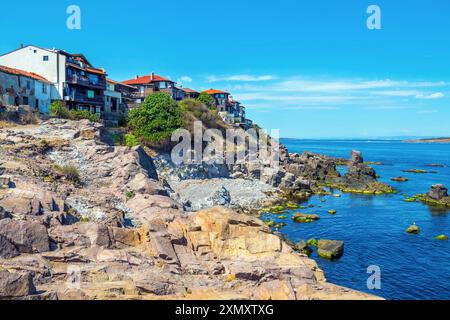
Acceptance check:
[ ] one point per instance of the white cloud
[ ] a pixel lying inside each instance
(326, 93)
(185, 79)
(436, 95)
(240, 77)
(426, 111)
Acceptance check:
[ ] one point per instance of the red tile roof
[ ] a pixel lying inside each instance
(214, 91)
(146, 80)
(23, 73)
(117, 82)
(188, 90)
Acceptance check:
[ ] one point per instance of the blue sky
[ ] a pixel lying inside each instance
(310, 68)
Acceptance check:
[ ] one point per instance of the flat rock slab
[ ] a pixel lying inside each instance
(330, 249)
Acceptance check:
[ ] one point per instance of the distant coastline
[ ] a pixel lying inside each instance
(431, 140)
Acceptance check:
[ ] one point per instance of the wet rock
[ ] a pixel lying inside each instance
(400, 179)
(26, 236)
(442, 237)
(15, 285)
(305, 218)
(437, 192)
(413, 229)
(330, 249)
(304, 248)
(356, 157)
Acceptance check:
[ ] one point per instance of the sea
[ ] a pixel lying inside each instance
(373, 227)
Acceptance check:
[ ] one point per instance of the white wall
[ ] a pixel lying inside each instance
(31, 59)
(44, 98)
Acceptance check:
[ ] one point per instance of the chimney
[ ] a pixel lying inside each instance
(21, 45)
(137, 76)
(152, 76)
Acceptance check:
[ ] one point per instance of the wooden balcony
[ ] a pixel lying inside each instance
(84, 81)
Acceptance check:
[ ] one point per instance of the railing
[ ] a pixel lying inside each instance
(84, 81)
(84, 98)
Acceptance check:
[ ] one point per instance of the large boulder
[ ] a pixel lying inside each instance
(7, 249)
(83, 234)
(272, 176)
(15, 285)
(356, 157)
(220, 198)
(26, 236)
(437, 192)
(330, 249)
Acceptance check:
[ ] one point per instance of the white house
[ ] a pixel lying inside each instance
(74, 79)
(113, 98)
(50, 64)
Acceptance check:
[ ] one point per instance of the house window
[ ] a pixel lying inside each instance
(45, 58)
(25, 100)
(28, 85)
(44, 89)
(90, 94)
(162, 85)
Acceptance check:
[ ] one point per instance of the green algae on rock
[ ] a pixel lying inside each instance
(330, 249)
(400, 179)
(442, 237)
(304, 248)
(413, 229)
(333, 212)
(312, 242)
(305, 218)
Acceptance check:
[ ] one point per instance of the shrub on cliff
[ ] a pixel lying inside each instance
(158, 117)
(194, 110)
(58, 110)
(131, 141)
(207, 100)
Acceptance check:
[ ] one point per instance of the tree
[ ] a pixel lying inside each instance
(156, 119)
(207, 100)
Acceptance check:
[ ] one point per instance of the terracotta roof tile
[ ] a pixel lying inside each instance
(214, 91)
(146, 80)
(32, 75)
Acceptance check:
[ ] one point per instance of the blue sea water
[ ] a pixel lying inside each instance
(373, 227)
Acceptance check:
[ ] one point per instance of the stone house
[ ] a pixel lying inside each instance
(19, 87)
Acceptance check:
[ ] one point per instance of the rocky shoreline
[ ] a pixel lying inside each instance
(83, 219)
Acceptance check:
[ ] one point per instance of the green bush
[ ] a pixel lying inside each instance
(131, 141)
(197, 109)
(83, 114)
(58, 110)
(207, 100)
(156, 119)
(117, 139)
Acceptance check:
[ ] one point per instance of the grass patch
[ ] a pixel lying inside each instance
(69, 171)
